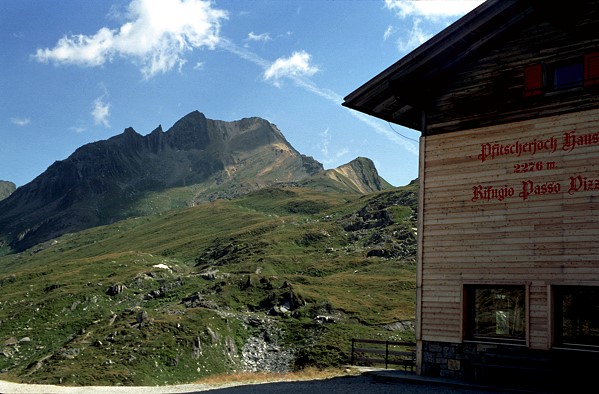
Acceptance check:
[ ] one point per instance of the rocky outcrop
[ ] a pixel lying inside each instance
(265, 352)
(6, 189)
(382, 230)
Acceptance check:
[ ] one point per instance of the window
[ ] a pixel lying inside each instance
(496, 313)
(577, 72)
(568, 76)
(577, 316)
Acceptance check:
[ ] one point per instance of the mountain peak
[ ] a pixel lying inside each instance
(360, 174)
(194, 117)
(189, 132)
(204, 159)
(157, 130)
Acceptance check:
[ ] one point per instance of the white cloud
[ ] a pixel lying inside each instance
(101, 111)
(156, 36)
(78, 129)
(415, 37)
(296, 66)
(264, 37)
(20, 121)
(323, 147)
(438, 12)
(244, 53)
(432, 8)
(342, 152)
(389, 32)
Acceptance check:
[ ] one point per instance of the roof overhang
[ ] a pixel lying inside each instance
(400, 94)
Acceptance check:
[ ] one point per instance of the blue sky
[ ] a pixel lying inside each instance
(75, 72)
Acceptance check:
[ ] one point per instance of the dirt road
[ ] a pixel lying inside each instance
(340, 385)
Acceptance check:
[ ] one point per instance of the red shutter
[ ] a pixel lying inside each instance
(591, 69)
(533, 80)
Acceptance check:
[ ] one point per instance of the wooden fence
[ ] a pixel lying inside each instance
(383, 352)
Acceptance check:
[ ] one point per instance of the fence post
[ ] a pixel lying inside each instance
(352, 350)
(386, 354)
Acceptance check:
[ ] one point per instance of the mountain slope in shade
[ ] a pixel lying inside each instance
(196, 160)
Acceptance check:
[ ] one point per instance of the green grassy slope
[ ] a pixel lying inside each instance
(179, 295)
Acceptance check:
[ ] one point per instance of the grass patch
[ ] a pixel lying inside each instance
(266, 377)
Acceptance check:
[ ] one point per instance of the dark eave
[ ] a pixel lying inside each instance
(399, 94)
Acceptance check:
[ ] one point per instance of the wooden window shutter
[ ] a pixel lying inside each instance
(533, 80)
(591, 69)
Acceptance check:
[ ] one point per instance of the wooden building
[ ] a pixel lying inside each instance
(507, 101)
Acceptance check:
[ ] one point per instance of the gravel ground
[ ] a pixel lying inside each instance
(366, 383)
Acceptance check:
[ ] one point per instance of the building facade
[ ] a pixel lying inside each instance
(507, 101)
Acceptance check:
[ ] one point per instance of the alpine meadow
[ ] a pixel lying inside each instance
(136, 273)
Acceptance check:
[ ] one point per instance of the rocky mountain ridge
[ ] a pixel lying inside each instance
(196, 160)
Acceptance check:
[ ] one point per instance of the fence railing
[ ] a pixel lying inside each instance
(372, 351)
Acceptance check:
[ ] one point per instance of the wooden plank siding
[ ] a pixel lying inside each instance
(528, 239)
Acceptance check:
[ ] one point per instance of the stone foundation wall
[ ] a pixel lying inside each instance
(506, 365)
(448, 360)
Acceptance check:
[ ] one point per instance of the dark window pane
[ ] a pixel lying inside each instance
(496, 312)
(568, 76)
(577, 311)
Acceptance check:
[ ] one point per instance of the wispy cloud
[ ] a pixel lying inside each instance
(431, 8)
(389, 32)
(157, 35)
(244, 53)
(434, 11)
(324, 143)
(101, 111)
(264, 37)
(323, 146)
(20, 121)
(78, 129)
(295, 66)
(414, 37)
